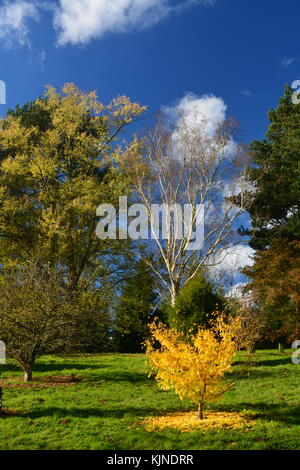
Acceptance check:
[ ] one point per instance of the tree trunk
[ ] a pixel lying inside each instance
(175, 291)
(28, 375)
(200, 410)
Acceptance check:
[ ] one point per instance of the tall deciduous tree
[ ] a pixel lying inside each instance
(58, 164)
(192, 164)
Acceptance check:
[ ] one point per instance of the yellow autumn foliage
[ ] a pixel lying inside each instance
(59, 161)
(194, 367)
(187, 422)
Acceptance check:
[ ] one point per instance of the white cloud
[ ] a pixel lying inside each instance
(224, 267)
(203, 114)
(196, 109)
(238, 185)
(79, 21)
(193, 114)
(247, 93)
(233, 259)
(13, 21)
(41, 59)
(237, 291)
(288, 61)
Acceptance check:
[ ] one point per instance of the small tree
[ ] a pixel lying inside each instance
(194, 369)
(253, 322)
(37, 315)
(275, 288)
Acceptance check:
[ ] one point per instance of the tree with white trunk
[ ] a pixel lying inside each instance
(192, 168)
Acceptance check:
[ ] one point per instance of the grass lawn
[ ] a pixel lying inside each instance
(103, 410)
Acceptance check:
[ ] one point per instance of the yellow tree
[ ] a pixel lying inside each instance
(194, 368)
(57, 164)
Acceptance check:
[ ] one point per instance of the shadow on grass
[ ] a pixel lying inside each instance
(254, 374)
(289, 415)
(44, 367)
(89, 378)
(85, 413)
(285, 361)
(284, 413)
(132, 377)
(10, 368)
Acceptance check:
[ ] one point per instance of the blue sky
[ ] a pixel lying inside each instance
(155, 51)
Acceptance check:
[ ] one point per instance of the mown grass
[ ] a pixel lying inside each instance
(104, 409)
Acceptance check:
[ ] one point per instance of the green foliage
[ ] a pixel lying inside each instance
(134, 308)
(194, 305)
(94, 324)
(276, 175)
(275, 220)
(36, 314)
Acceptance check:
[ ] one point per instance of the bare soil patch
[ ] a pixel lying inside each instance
(42, 382)
(9, 413)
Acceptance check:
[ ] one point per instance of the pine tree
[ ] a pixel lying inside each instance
(135, 306)
(275, 176)
(275, 219)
